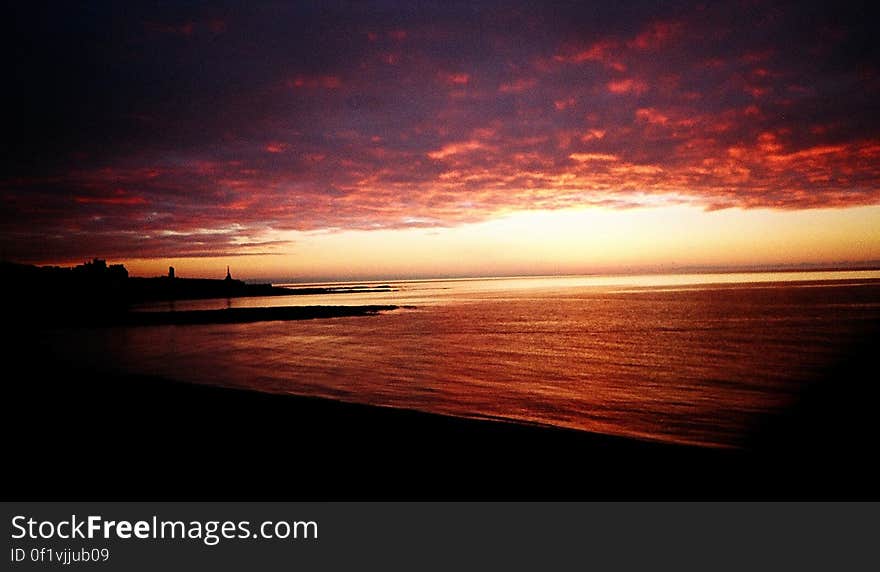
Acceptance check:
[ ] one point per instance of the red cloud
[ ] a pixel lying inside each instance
(458, 79)
(652, 116)
(563, 104)
(518, 85)
(597, 52)
(456, 149)
(119, 197)
(276, 147)
(627, 86)
(656, 35)
(583, 157)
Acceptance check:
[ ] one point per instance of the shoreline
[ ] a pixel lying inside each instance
(152, 438)
(193, 441)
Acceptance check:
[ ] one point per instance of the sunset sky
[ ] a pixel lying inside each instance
(371, 139)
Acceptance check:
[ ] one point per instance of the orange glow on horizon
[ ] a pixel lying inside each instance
(570, 241)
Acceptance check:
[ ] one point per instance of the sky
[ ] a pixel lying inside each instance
(371, 139)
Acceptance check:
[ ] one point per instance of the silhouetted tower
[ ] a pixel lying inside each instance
(170, 272)
(228, 275)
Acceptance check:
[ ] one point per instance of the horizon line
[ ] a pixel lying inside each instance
(672, 268)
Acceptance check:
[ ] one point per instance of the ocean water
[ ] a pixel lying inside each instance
(679, 358)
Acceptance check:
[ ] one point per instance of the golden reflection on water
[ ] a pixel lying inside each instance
(691, 365)
(441, 291)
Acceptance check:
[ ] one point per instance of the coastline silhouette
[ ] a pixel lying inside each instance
(95, 293)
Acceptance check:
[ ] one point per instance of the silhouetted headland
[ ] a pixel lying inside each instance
(98, 293)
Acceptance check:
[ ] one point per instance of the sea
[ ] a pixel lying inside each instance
(681, 358)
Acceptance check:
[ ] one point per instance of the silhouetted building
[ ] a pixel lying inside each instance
(94, 267)
(228, 275)
(170, 272)
(97, 268)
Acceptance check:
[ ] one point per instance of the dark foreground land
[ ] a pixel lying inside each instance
(75, 434)
(95, 293)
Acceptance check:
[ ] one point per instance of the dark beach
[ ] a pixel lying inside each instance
(77, 434)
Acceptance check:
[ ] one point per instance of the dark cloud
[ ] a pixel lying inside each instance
(144, 129)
